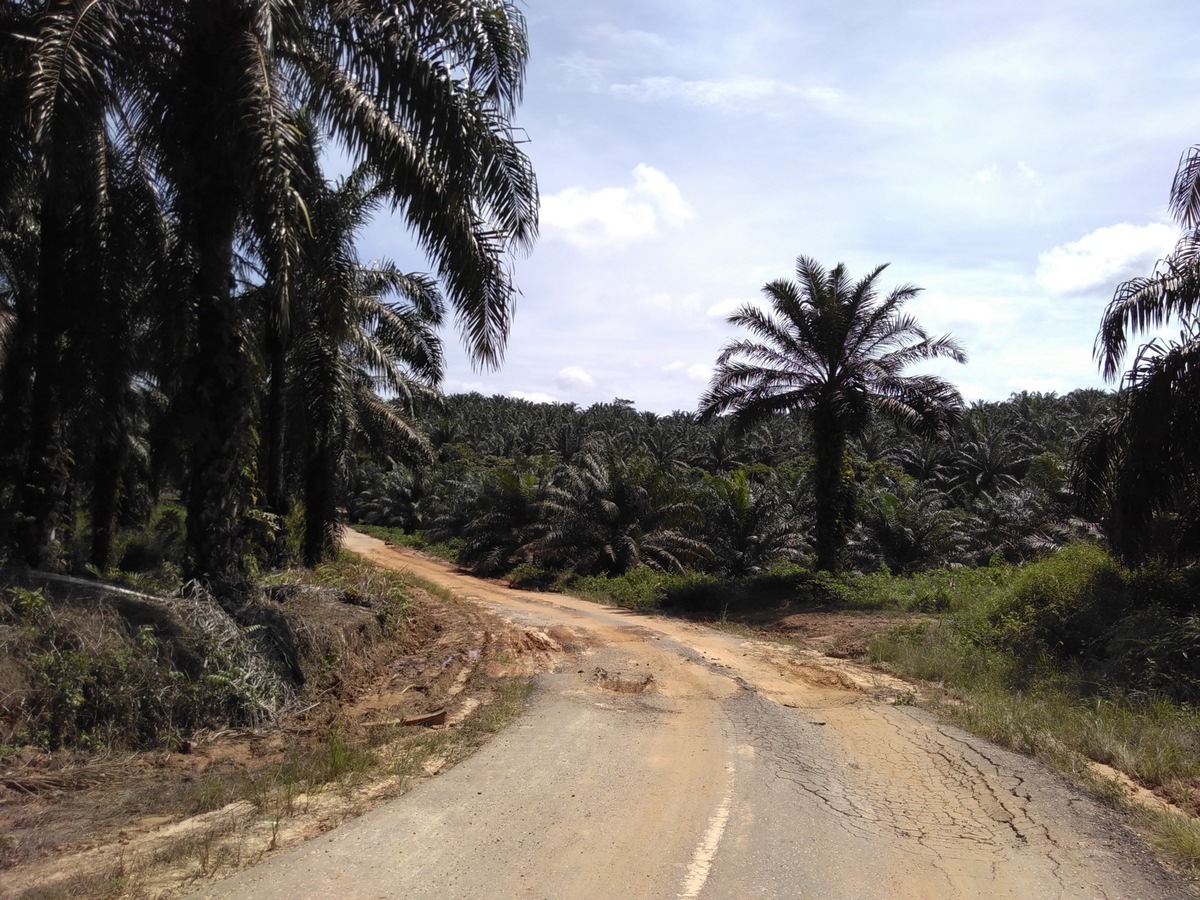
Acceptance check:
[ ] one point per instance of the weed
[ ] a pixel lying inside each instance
(1042, 659)
(1176, 836)
(213, 792)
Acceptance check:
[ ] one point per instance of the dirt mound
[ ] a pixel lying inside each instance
(358, 667)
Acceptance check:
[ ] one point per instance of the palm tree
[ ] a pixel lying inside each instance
(748, 523)
(911, 527)
(607, 514)
(505, 509)
(73, 171)
(990, 451)
(355, 331)
(1139, 470)
(209, 90)
(832, 351)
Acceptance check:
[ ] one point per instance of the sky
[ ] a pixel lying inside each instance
(1012, 159)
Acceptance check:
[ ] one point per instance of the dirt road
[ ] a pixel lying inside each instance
(663, 759)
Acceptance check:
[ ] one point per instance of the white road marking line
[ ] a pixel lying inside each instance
(702, 859)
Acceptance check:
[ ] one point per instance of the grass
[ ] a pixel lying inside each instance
(1176, 837)
(351, 767)
(1038, 659)
(416, 540)
(334, 780)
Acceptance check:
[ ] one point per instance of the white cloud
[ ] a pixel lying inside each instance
(574, 377)
(631, 38)
(956, 309)
(997, 173)
(615, 216)
(731, 95)
(1104, 257)
(534, 396)
(723, 309)
(697, 372)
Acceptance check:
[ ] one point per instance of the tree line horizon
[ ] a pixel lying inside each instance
(184, 316)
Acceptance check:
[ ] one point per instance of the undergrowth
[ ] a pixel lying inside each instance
(1072, 659)
(416, 540)
(124, 675)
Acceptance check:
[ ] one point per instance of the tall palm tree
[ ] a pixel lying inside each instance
(1140, 468)
(209, 91)
(69, 360)
(832, 350)
(360, 331)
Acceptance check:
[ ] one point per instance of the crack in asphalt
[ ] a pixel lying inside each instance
(922, 785)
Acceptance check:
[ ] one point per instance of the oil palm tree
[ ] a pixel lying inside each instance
(832, 350)
(359, 333)
(209, 91)
(70, 357)
(1139, 470)
(911, 527)
(495, 514)
(990, 450)
(748, 523)
(422, 91)
(608, 513)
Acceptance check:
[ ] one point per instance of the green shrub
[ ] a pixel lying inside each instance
(705, 594)
(122, 674)
(639, 588)
(530, 577)
(1078, 612)
(158, 544)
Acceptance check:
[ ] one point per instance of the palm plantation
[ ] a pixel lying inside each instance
(202, 378)
(1140, 469)
(218, 101)
(185, 316)
(833, 351)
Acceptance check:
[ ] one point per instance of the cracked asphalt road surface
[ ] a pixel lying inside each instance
(663, 759)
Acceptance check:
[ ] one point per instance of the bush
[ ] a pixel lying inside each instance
(640, 588)
(530, 577)
(123, 672)
(157, 545)
(1076, 612)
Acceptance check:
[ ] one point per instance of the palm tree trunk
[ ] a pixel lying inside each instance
(105, 488)
(16, 398)
(43, 482)
(218, 381)
(320, 514)
(829, 491)
(272, 454)
(218, 388)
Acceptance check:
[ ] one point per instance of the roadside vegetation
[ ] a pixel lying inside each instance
(88, 666)
(234, 732)
(200, 381)
(1076, 660)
